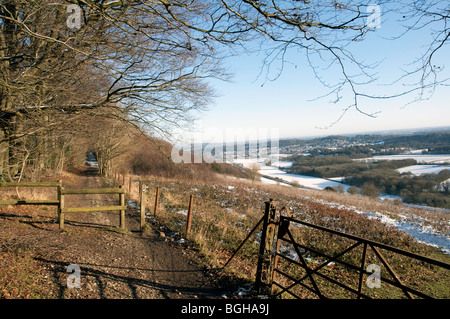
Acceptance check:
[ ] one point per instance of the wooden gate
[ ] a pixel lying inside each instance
(286, 266)
(29, 201)
(60, 202)
(62, 210)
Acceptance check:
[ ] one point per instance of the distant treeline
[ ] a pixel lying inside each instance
(378, 177)
(370, 145)
(427, 189)
(340, 165)
(436, 143)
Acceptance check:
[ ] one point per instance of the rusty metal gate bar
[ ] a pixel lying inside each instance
(266, 257)
(283, 229)
(313, 271)
(305, 266)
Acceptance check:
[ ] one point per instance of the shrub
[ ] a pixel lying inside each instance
(353, 190)
(339, 188)
(369, 189)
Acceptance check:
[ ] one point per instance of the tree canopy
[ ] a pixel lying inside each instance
(150, 61)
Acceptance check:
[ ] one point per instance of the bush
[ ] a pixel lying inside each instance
(353, 190)
(369, 189)
(295, 184)
(339, 188)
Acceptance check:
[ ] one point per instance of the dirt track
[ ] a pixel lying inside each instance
(115, 264)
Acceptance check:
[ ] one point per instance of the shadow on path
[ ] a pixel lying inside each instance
(128, 281)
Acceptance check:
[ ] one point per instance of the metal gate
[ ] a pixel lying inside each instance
(353, 265)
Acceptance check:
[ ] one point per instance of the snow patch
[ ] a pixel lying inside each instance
(415, 227)
(133, 203)
(423, 169)
(182, 212)
(425, 158)
(91, 160)
(275, 170)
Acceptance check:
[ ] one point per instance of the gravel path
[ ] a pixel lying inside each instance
(112, 263)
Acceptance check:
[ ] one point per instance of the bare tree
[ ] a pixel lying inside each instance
(149, 60)
(153, 55)
(325, 31)
(131, 59)
(424, 73)
(322, 31)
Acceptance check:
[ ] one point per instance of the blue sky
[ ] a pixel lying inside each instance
(252, 101)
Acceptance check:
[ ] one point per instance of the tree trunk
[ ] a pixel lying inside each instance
(5, 154)
(2, 151)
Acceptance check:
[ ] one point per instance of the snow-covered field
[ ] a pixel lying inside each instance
(302, 180)
(414, 225)
(423, 169)
(420, 158)
(274, 171)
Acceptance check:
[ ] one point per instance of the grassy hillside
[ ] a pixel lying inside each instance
(226, 210)
(151, 156)
(226, 207)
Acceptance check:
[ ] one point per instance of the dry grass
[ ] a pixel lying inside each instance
(28, 193)
(22, 238)
(226, 209)
(21, 276)
(437, 219)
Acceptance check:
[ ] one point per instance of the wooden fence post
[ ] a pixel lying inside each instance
(140, 191)
(156, 202)
(189, 216)
(122, 212)
(142, 203)
(129, 184)
(60, 207)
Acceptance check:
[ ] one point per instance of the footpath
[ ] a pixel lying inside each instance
(108, 262)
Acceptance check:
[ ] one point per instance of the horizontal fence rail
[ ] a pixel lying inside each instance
(62, 210)
(92, 209)
(29, 201)
(95, 191)
(30, 184)
(370, 242)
